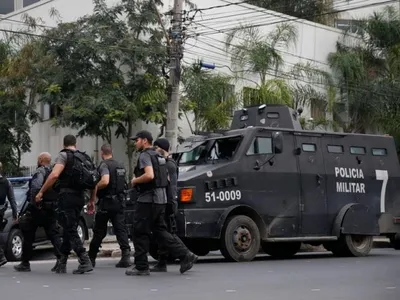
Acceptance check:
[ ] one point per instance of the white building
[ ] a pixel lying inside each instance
(314, 43)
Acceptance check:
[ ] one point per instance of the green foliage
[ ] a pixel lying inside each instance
(256, 53)
(319, 11)
(368, 74)
(18, 70)
(105, 73)
(209, 97)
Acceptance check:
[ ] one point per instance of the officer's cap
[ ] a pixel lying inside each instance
(143, 135)
(162, 143)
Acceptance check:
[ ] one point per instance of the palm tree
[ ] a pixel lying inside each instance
(209, 96)
(368, 74)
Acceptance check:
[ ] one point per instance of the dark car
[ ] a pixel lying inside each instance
(11, 236)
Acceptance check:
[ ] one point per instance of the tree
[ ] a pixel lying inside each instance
(368, 74)
(209, 96)
(259, 54)
(18, 71)
(106, 71)
(319, 11)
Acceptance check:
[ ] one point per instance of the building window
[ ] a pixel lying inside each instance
(317, 111)
(228, 93)
(260, 145)
(29, 2)
(348, 25)
(6, 6)
(250, 96)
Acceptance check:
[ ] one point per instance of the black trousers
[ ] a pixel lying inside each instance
(1, 229)
(70, 206)
(150, 219)
(100, 230)
(31, 221)
(170, 221)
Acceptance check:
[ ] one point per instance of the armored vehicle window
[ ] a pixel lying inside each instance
(260, 145)
(224, 148)
(193, 155)
(335, 149)
(358, 150)
(379, 151)
(273, 115)
(309, 147)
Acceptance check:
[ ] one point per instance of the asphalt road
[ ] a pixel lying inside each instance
(307, 276)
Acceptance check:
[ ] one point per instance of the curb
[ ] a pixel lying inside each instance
(116, 252)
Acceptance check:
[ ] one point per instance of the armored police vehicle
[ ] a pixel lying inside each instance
(268, 184)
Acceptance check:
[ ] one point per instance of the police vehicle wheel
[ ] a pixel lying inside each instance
(395, 241)
(240, 239)
(353, 245)
(281, 250)
(14, 245)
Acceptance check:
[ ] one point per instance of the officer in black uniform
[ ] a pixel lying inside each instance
(151, 177)
(6, 192)
(43, 215)
(70, 204)
(162, 146)
(111, 206)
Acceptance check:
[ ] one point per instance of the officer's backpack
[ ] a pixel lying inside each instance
(83, 173)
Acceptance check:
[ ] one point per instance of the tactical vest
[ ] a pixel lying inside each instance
(117, 182)
(159, 168)
(4, 186)
(172, 190)
(65, 179)
(50, 195)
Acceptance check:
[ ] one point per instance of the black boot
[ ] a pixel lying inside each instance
(62, 265)
(92, 258)
(125, 261)
(3, 260)
(85, 265)
(188, 262)
(134, 271)
(160, 266)
(23, 267)
(56, 266)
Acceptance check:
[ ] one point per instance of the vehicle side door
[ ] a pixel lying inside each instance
(272, 181)
(313, 185)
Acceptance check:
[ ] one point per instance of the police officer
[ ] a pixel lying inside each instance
(39, 216)
(70, 204)
(162, 146)
(6, 191)
(151, 177)
(111, 194)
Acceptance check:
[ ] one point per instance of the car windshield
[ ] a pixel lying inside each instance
(20, 195)
(224, 149)
(191, 157)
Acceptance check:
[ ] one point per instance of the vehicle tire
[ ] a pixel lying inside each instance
(82, 231)
(395, 241)
(353, 245)
(13, 249)
(240, 240)
(281, 250)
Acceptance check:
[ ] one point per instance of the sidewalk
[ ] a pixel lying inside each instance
(110, 247)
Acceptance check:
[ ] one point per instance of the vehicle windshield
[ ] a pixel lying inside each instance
(224, 149)
(210, 150)
(20, 195)
(192, 157)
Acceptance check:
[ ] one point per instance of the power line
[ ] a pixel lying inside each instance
(216, 6)
(291, 19)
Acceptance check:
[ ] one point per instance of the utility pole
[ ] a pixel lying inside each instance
(176, 52)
